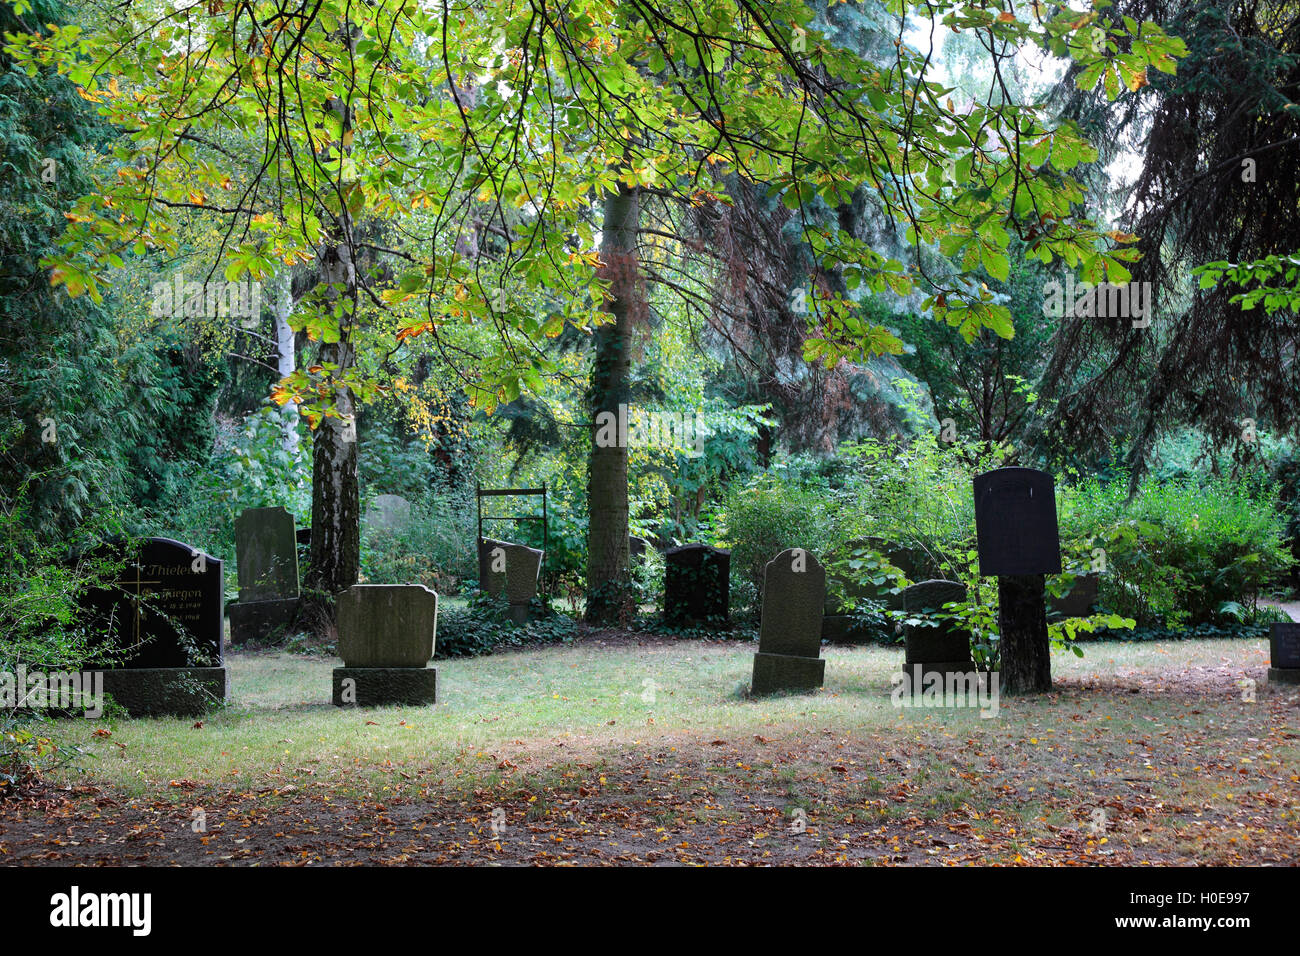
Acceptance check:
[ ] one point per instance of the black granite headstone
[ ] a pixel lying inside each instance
(1015, 523)
(697, 583)
(947, 645)
(1284, 645)
(165, 609)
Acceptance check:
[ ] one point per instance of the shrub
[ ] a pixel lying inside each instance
(40, 628)
(762, 518)
(484, 627)
(435, 548)
(914, 494)
(1182, 550)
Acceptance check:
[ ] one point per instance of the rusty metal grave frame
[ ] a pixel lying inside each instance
(480, 493)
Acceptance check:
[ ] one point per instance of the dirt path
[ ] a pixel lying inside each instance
(1185, 786)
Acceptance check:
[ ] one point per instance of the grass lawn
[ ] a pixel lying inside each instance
(619, 751)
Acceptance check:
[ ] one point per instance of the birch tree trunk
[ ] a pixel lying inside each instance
(285, 359)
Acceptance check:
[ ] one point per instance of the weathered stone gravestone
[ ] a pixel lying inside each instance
(944, 648)
(510, 570)
(1018, 540)
(163, 619)
(390, 513)
(1284, 654)
(790, 629)
(386, 637)
(697, 583)
(637, 547)
(1081, 599)
(266, 553)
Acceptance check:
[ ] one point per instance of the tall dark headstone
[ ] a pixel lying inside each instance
(1018, 541)
(790, 629)
(697, 583)
(1284, 654)
(1015, 523)
(266, 552)
(944, 647)
(163, 620)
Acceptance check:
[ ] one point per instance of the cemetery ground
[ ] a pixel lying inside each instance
(622, 748)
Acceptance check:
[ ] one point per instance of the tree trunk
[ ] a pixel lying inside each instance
(1022, 617)
(286, 360)
(607, 544)
(335, 493)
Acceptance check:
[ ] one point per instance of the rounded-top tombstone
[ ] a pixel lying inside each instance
(794, 595)
(697, 583)
(1015, 523)
(790, 630)
(163, 618)
(166, 610)
(266, 555)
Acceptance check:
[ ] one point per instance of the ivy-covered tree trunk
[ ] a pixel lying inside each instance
(1022, 619)
(335, 496)
(607, 542)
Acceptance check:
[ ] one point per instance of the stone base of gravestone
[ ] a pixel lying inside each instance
(260, 620)
(785, 673)
(918, 672)
(1284, 675)
(167, 691)
(385, 686)
(921, 680)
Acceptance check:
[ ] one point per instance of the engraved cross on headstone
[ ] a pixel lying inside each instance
(135, 598)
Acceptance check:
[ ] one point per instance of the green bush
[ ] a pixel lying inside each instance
(913, 494)
(760, 519)
(1182, 551)
(41, 627)
(484, 627)
(435, 548)
(249, 468)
